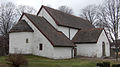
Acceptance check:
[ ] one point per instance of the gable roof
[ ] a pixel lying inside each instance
(87, 36)
(67, 20)
(55, 37)
(21, 26)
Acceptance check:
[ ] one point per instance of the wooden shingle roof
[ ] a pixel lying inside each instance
(57, 39)
(67, 20)
(21, 26)
(87, 36)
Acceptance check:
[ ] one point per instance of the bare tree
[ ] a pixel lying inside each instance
(101, 16)
(113, 9)
(65, 9)
(104, 16)
(10, 13)
(25, 9)
(96, 15)
(7, 17)
(89, 13)
(109, 14)
(103, 21)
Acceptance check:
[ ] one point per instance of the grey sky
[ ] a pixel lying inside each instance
(76, 5)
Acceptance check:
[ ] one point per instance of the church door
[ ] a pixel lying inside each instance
(103, 48)
(75, 52)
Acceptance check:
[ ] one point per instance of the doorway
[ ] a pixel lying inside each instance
(103, 49)
(75, 52)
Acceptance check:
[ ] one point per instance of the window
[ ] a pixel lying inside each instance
(40, 46)
(27, 40)
(103, 48)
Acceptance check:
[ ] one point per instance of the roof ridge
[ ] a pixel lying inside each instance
(65, 13)
(69, 20)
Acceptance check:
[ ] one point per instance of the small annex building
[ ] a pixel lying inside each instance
(57, 35)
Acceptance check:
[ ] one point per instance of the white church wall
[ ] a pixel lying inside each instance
(103, 38)
(62, 52)
(89, 50)
(66, 31)
(18, 44)
(94, 49)
(72, 33)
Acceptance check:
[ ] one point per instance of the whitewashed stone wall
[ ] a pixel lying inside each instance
(89, 50)
(17, 42)
(94, 49)
(62, 52)
(103, 38)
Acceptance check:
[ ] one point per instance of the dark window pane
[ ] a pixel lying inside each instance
(27, 40)
(40, 47)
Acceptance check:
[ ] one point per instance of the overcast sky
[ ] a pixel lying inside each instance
(76, 5)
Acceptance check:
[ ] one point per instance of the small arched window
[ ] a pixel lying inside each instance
(27, 40)
(40, 46)
(103, 49)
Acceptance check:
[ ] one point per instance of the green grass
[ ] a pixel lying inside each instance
(36, 61)
(43, 62)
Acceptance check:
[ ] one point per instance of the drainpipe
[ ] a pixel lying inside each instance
(69, 33)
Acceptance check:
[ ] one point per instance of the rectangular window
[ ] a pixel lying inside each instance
(27, 40)
(40, 46)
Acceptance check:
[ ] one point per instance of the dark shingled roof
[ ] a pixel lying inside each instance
(87, 36)
(21, 26)
(64, 19)
(55, 37)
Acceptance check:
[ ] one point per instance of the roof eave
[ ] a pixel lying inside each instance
(20, 31)
(84, 42)
(68, 26)
(63, 46)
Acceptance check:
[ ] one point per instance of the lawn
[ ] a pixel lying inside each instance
(36, 61)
